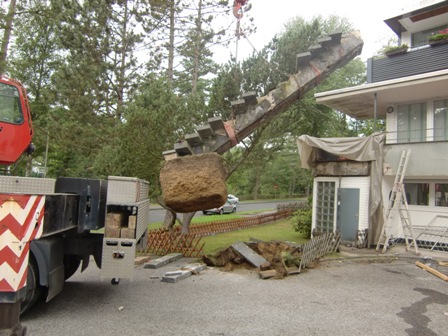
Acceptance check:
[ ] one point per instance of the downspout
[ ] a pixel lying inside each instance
(375, 104)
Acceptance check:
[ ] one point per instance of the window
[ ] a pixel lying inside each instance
(421, 38)
(411, 122)
(325, 206)
(10, 110)
(417, 193)
(441, 120)
(441, 194)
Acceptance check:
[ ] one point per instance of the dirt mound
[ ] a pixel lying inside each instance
(193, 183)
(282, 258)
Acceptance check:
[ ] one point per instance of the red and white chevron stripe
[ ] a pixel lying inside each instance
(21, 221)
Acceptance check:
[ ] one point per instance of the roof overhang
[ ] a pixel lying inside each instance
(359, 102)
(419, 18)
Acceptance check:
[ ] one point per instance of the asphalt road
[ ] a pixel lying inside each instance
(157, 213)
(338, 298)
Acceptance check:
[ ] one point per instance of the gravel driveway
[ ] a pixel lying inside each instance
(336, 298)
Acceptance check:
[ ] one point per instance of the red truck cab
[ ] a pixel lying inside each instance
(15, 121)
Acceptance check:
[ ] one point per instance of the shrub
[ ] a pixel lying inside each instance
(391, 49)
(441, 35)
(302, 218)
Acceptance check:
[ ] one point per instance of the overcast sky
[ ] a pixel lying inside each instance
(367, 17)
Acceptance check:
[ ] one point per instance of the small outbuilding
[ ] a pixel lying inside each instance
(347, 196)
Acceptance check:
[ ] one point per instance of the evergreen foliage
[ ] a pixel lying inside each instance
(113, 84)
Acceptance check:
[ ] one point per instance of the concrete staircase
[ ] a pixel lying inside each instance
(251, 112)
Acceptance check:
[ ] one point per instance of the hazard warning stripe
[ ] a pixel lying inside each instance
(21, 221)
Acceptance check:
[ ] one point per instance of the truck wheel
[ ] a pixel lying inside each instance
(71, 264)
(33, 289)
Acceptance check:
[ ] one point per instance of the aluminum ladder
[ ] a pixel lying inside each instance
(398, 204)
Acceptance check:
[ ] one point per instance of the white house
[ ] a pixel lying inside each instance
(409, 91)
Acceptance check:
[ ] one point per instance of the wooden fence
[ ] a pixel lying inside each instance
(161, 241)
(318, 247)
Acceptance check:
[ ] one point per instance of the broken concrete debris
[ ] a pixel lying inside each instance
(273, 259)
(253, 258)
(174, 276)
(162, 261)
(183, 273)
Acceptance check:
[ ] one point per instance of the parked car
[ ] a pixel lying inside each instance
(226, 208)
(233, 199)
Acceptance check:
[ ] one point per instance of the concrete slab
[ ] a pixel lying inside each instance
(185, 272)
(162, 261)
(252, 257)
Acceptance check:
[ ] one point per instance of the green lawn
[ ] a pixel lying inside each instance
(281, 230)
(211, 218)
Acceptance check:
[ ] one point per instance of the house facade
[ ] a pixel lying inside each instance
(409, 91)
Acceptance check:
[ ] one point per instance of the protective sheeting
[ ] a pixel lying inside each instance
(369, 148)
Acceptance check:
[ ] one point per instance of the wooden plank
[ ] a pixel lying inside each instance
(267, 274)
(141, 260)
(432, 271)
(293, 270)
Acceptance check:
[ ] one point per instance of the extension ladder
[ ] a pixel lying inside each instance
(398, 204)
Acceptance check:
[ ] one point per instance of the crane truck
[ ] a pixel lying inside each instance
(48, 227)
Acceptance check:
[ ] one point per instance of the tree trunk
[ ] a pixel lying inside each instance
(197, 47)
(169, 220)
(122, 77)
(257, 185)
(7, 36)
(186, 220)
(170, 70)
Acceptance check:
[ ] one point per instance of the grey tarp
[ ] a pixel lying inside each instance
(368, 148)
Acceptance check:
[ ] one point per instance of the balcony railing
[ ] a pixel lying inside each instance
(435, 134)
(414, 62)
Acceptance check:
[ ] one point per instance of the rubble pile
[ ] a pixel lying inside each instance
(275, 259)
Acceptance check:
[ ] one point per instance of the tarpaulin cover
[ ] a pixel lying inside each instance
(368, 148)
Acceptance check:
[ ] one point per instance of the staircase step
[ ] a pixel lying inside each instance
(238, 106)
(194, 139)
(169, 154)
(303, 59)
(205, 131)
(182, 148)
(250, 98)
(326, 41)
(336, 36)
(315, 49)
(217, 125)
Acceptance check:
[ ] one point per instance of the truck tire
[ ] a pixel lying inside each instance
(71, 264)
(33, 289)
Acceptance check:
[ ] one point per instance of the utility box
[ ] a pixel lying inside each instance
(127, 219)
